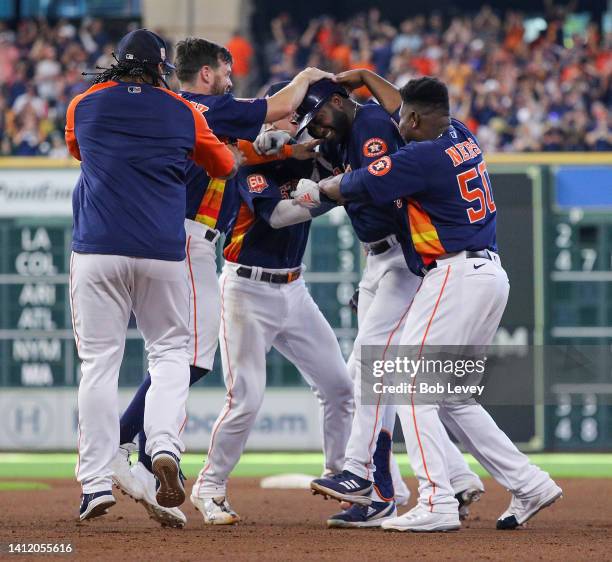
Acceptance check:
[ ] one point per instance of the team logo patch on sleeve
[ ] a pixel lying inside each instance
(199, 106)
(380, 167)
(257, 183)
(374, 147)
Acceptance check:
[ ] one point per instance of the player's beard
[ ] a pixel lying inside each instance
(218, 87)
(340, 125)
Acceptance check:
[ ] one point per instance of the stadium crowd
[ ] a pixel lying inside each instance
(546, 93)
(549, 92)
(40, 72)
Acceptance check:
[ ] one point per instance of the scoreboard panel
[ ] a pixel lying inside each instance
(518, 197)
(580, 306)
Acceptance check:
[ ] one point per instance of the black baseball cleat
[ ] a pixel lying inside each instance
(363, 516)
(169, 477)
(95, 504)
(344, 486)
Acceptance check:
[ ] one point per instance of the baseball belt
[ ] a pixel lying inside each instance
(268, 277)
(380, 247)
(211, 235)
(479, 254)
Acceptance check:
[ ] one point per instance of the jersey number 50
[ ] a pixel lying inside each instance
(480, 193)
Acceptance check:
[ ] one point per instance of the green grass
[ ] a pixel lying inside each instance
(61, 465)
(8, 485)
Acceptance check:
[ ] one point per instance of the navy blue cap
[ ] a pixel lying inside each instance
(144, 46)
(275, 88)
(316, 96)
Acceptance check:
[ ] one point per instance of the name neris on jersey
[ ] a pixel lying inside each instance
(463, 151)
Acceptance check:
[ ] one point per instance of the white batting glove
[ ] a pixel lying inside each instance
(306, 194)
(271, 142)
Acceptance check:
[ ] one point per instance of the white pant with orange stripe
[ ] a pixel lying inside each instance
(104, 290)
(386, 292)
(458, 304)
(256, 316)
(205, 308)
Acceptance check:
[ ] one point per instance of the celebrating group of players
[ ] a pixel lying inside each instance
(163, 176)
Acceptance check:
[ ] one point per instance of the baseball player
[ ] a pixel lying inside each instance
(357, 135)
(203, 69)
(442, 179)
(133, 137)
(264, 304)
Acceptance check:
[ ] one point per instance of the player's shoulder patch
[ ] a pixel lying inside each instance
(256, 183)
(380, 167)
(374, 147)
(199, 106)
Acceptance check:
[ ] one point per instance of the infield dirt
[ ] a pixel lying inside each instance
(285, 525)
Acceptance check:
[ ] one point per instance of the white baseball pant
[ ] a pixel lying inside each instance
(205, 306)
(256, 316)
(104, 290)
(386, 292)
(458, 304)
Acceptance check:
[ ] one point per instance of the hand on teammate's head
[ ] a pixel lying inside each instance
(350, 79)
(315, 74)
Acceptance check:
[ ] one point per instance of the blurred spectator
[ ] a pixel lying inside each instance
(599, 136)
(41, 68)
(242, 53)
(550, 93)
(553, 93)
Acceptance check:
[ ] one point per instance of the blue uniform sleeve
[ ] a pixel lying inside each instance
(259, 191)
(265, 207)
(237, 118)
(378, 138)
(386, 179)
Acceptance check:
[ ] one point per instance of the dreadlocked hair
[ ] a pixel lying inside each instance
(127, 69)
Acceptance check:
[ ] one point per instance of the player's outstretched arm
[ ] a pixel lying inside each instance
(253, 158)
(302, 151)
(286, 213)
(386, 93)
(287, 100)
(391, 177)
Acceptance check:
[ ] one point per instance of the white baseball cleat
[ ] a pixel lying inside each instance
(165, 516)
(123, 477)
(419, 519)
(521, 510)
(216, 511)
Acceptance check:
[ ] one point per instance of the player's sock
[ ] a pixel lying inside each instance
(383, 481)
(142, 456)
(195, 374)
(132, 419)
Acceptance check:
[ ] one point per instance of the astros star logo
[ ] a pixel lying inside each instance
(380, 167)
(374, 147)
